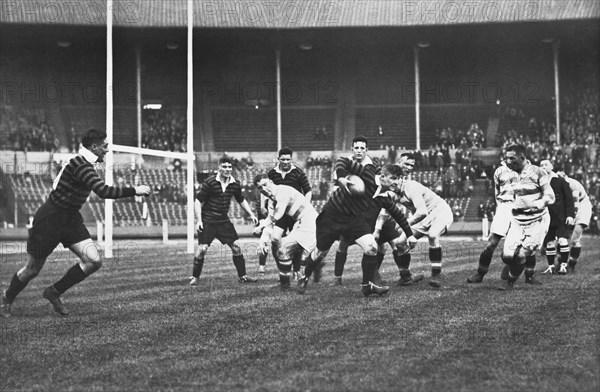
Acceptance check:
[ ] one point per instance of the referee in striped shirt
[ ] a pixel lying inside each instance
(344, 215)
(58, 220)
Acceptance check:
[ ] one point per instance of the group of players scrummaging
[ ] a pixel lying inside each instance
(370, 220)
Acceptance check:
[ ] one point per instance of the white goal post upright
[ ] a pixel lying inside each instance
(190, 128)
(188, 155)
(109, 158)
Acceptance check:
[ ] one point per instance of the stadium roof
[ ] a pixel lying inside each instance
(295, 14)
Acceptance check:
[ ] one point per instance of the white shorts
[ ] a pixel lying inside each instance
(502, 218)
(528, 236)
(436, 222)
(584, 213)
(304, 233)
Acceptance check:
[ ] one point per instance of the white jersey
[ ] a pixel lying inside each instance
(504, 178)
(579, 193)
(288, 201)
(412, 191)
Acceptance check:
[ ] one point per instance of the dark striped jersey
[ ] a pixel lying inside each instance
(216, 200)
(294, 178)
(371, 202)
(77, 180)
(563, 205)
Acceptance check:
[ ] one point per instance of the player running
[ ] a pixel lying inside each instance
(530, 218)
(58, 220)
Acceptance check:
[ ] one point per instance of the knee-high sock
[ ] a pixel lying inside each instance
(574, 255)
(564, 253)
(285, 270)
(198, 264)
(15, 287)
(240, 265)
(517, 266)
(435, 257)
(369, 266)
(530, 262)
(73, 276)
(310, 267)
(485, 259)
(550, 254)
(380, 257)
(340, 262)
(403, 263)
(262, 259)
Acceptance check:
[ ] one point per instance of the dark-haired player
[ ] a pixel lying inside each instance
(583, 215)
(343, 215)
(212, 205)
(503, 190)
(58, 220)
(286, 173)
(562, 218)
(530, 218)
(388, 233)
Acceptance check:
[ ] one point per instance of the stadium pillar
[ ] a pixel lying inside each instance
(555, 48)
(138, 92)
(417, 100)
(278, 84)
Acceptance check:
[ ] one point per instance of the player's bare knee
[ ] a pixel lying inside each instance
(507, 258)
(201, 251)
(563, 242)
(94, 265)
(29, 272)
(235, 248)
(371, 249)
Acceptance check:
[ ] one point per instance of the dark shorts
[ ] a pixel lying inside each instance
(52, 226)
(389, 231)
(560, 231)
(286, 223)
(332, 226)
(224, 231)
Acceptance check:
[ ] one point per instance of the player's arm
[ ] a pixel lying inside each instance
(383, 216)
(305, 186)
(198, 213)
(345, 166)
(547, 196)
(497, 185)
(568, 202)
(413, 194)
(239, 197)
(398, 215)
(88, 175)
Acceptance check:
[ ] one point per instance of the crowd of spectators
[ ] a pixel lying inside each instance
(164, 130)
(27, 132)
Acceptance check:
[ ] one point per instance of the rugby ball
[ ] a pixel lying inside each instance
(357, 186)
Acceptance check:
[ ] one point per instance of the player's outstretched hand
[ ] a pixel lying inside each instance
(570, 221)
(254, 220)
(142, 190)
(344, 183)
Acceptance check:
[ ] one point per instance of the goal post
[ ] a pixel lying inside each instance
(142, 166)
(188, 156)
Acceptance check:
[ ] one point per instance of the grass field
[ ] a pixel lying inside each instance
(138, 325)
